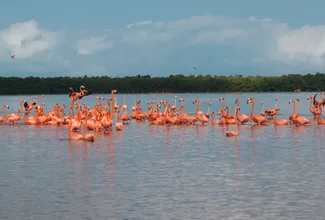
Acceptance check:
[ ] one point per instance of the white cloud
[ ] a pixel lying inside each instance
(26, 39)
(137, 24)
(92, 45)
(215, 43)
(220, 36)
(306, 44)
(259, 38)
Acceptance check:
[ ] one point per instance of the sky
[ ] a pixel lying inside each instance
(159, 38)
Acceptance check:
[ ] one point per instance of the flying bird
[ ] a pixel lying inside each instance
(13, 56)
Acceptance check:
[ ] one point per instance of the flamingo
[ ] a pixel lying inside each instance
(319, 121)
(4, 113)
(217, 121)
(299, 120)
(85, 136)
(227, 120)
(118, 125)
(229, 116)
(234, 133)
(280, 121)
(259, 119)
(314, 111)
(242, 118)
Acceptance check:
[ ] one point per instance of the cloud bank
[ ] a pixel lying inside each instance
(214, 44)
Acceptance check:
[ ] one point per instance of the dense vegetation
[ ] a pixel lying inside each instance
(172, 83)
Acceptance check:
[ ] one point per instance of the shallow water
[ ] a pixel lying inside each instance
(165, 172)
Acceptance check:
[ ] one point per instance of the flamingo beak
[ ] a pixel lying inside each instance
(247, 101)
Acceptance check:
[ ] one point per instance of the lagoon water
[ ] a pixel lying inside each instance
(165, 172)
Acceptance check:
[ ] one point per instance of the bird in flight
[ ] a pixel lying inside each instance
(13, 56)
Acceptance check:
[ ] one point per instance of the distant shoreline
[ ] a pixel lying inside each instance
(173, 84)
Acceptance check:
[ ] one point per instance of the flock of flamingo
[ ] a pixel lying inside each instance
(159, 112)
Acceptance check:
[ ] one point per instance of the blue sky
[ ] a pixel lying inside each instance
(118, 38)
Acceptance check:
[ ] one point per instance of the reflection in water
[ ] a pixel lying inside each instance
(236, 153)
(86, 166)
(111, 170)
(178, 172)
(252, 143)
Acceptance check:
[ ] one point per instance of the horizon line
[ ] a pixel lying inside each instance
(170, 75)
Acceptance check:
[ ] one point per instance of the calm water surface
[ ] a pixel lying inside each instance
(166, 172)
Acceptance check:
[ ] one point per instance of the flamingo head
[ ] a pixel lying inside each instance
(210, 103)
(90, 137)
(194, 101)
(82, 87)
(113, 91)
(221, 98)
(291, 101)
(181, 99)
(298, 99)
(237, 100)
(250, 100)
(309, 97)
(6, 106)
(175, 97)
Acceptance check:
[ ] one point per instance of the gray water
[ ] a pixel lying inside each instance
(165, 172)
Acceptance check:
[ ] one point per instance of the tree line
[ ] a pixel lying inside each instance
(173, 83)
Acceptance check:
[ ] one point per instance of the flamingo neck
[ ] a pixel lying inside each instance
(113, 105)
(253, 106)
(311, 103)
(236, 113)
(4, 112)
